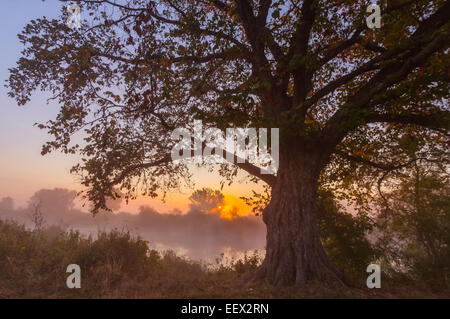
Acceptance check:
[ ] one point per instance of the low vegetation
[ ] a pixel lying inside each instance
(409, 236)
(118, 265)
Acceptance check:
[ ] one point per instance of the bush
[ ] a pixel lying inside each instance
(344, 238)
(415, 229)
(34, 262)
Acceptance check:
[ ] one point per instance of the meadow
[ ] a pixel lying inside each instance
(116, 264)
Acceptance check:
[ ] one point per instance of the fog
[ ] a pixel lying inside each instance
(197, 234)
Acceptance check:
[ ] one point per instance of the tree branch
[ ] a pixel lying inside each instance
(437, 120)
(248, 167)
(385, 167)
(422, 46)
(407, 48)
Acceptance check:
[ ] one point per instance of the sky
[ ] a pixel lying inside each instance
(23, 170)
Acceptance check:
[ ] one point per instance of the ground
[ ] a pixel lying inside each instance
(118, 265)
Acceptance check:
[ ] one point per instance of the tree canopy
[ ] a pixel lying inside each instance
(136, 70)
(356, 102)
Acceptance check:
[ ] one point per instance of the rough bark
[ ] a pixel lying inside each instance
(294, 252)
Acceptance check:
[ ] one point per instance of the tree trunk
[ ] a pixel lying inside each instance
(294, 252)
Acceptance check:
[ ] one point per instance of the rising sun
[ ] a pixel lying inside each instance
(231, 207)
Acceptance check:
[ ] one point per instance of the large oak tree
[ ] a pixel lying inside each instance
(340, 93)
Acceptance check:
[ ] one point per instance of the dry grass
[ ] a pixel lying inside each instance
(118, 265)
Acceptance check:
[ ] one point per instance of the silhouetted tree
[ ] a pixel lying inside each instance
(340, 93)
(205, 199)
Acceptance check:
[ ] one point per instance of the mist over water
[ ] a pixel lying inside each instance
(196, 234)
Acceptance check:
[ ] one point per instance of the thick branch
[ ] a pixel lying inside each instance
(248, 167)
(252, 31)
(335, 50)
(297, 52)
(437, 120)
(232, 53)
(347, 117)
(300, 38)
(383, 166)
(410, 46)
(252, 170)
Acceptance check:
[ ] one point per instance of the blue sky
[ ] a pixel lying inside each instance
(22, 169)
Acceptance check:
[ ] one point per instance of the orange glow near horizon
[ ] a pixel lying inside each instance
(231, 207)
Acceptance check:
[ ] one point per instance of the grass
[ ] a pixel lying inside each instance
(118, 265)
